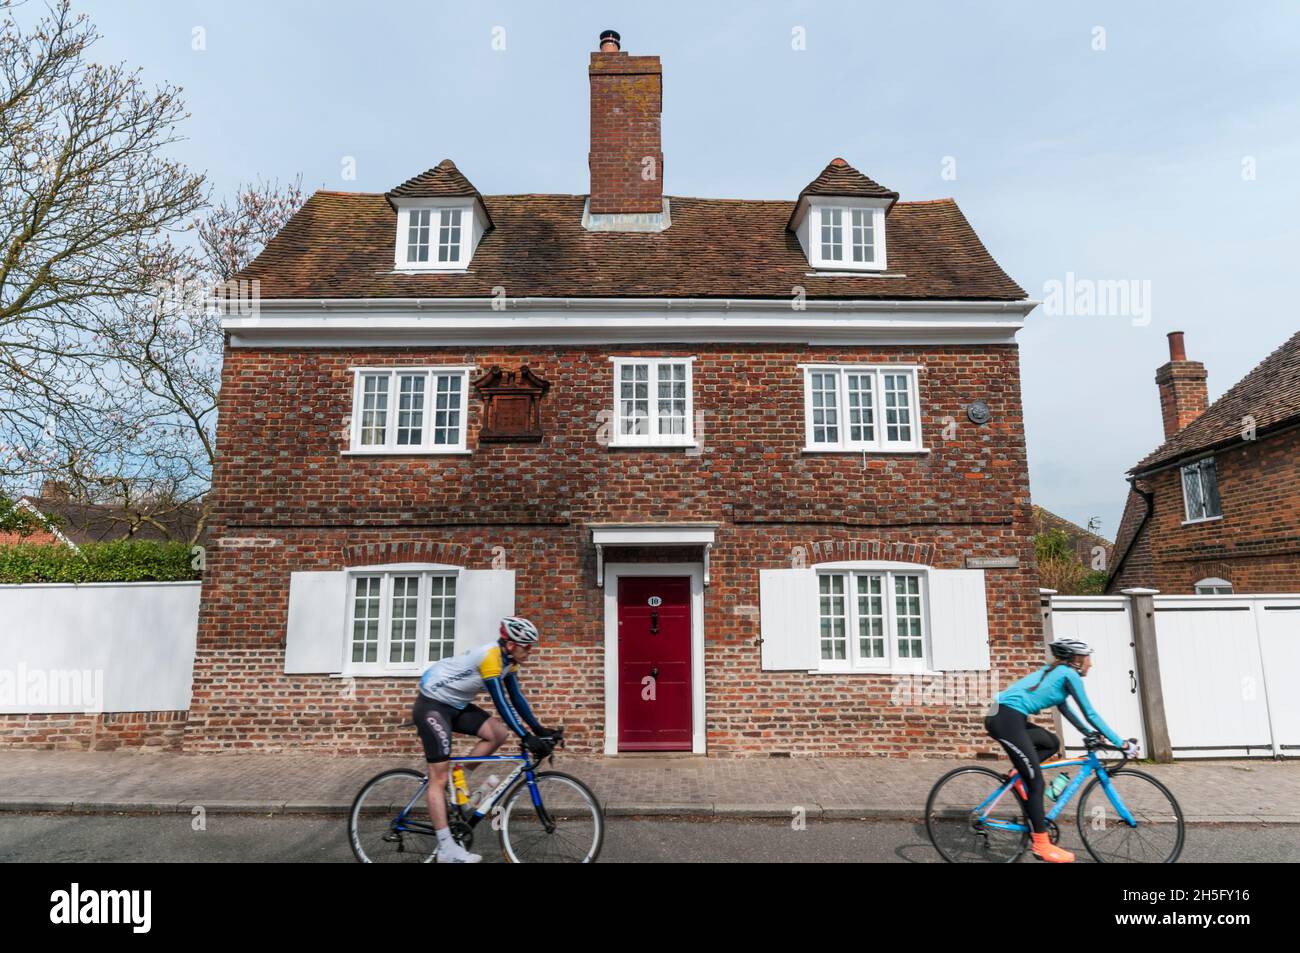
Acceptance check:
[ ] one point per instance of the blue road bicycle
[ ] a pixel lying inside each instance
(974, 815)
(539, 816)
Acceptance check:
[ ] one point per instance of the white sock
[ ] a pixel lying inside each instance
(445, 838)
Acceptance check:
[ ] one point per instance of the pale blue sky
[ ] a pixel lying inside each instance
(1124, 163)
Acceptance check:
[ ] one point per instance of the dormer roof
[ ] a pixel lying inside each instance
(840, 179)
(442, 181)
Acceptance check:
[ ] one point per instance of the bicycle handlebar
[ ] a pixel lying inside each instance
(1095, 745)
(556, 739)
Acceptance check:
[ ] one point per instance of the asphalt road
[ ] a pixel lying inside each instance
(228, 838)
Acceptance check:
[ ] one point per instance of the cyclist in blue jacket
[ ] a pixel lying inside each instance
(1029, 745)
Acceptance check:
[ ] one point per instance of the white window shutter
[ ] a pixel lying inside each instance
(787, 605)
(316, 629)
(483, 598)
(959, 621)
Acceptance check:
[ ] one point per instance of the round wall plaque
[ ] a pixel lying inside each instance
(978, 412)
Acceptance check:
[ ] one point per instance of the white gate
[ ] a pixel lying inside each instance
(1212, 676)
(1278, 618)
(1112, 684)
(1229, 670)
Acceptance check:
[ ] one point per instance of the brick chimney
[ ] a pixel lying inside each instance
(626, 158)
(1183, 395)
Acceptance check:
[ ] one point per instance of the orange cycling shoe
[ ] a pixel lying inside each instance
(1044, 849)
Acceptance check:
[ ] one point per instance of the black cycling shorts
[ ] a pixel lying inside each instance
(435, 722)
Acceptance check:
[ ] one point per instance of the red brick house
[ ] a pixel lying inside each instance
(41, 531)
(1215, 509)
(753, 467)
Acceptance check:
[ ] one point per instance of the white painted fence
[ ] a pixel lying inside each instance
(1229, 667)
(1229, 670)
(97, 647)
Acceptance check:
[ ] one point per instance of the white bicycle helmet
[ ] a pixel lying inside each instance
(1066, 649)
(519, 630)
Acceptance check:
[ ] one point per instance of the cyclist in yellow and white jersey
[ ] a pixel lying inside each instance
(445, 704)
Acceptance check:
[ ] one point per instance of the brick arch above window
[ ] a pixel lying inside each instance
(404, 551)
(863, 550)
(1211, 570)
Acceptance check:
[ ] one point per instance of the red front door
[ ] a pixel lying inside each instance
(654, 663)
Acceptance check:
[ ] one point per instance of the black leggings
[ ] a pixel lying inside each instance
(1028, 745)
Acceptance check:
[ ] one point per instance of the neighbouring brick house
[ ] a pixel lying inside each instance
(1216, 508)
(73, 522)
(38, 529)
(731, 456)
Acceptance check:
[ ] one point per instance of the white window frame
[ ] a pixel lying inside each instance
(652, 439)
(879, 442)
(1182, 485)
(426, 444)
(386, 574)
(891, 663)
(846, 208)
(436, 210)
(1212, 586)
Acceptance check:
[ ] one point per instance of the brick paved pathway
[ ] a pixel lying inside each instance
(146, 781)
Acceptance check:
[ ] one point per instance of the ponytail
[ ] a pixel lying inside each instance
(1048, 671)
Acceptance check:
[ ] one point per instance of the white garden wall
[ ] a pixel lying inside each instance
(97, 647)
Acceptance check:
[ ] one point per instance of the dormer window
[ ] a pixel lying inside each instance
(432, 237)
(440, 220)
(846, 237)
(839, 220)
(863, 234)
(832, 234)
(417, 244)
(449, 234)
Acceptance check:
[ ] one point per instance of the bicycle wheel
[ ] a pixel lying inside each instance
(568, 829)
(373, 830)
(962, 837)
(1158, 836)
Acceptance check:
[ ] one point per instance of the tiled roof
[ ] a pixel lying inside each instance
(1081, 540)
(340, 245)
(1270, 394)
(100, 523)
(1131, 562)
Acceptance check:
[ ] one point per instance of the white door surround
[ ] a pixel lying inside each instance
(650, 534)
(696, 573)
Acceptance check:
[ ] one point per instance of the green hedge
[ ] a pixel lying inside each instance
(127, 561)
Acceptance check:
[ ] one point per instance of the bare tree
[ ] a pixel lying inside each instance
(233, 233)
(167, 350)
(110, 345)
(86, 194)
